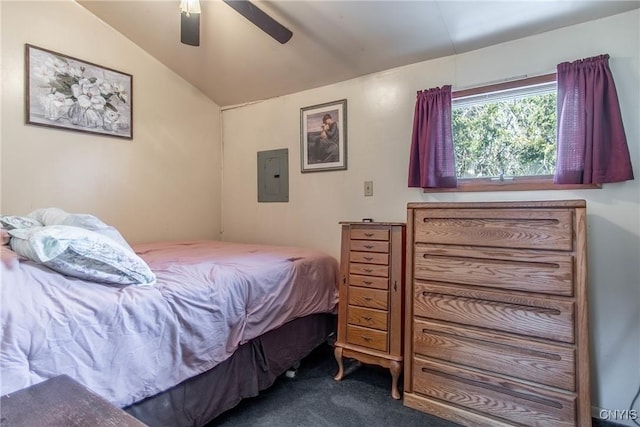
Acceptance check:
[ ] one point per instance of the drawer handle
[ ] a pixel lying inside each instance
(366, 338)
(367, 318)
(368, 270)
(367, 298)
(501, 389)
(368, 258)
(368, 234)
(528, 308)
(367, 282)
(368, 246)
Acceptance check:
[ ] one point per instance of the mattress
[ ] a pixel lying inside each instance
(127, 343)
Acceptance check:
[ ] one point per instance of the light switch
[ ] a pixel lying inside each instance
(368, 188)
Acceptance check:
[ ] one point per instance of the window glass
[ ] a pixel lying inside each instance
(502, 133)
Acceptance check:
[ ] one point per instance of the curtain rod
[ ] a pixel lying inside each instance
(499, 81)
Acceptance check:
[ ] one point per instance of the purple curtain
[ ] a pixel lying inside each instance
(591, 146)
(432, 162)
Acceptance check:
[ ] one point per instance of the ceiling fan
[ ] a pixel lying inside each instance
(190, 21)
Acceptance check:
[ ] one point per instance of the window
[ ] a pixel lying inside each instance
(505, 131)
(502, 137)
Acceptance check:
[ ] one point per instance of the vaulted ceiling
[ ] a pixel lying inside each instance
(332, 40)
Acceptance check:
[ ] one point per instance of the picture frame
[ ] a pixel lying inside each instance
(323, 137)
(67, 93)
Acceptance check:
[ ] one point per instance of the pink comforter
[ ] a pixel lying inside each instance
(128, 343)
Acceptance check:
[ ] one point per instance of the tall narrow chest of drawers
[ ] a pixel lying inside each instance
(496, 322)
(370, 316)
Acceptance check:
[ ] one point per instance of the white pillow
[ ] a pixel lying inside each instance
(57, 216)
(81, 253)
(49, 216)
(12, 221)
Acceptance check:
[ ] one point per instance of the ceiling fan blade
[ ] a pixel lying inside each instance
(261, 19)
(190, 28)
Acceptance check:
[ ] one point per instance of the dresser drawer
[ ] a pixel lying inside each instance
(369, 246)
(366, 337)
(520, 403)
(549, 273)
(369, 269)
(371, 298)
(526, 315)
(370, 318)
(369, 257)
(552, 365)
(369, 281)
(509, 228)
(369, 234)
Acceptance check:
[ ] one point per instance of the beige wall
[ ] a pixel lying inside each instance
(166, 182)
(380, 114)
(163, 184)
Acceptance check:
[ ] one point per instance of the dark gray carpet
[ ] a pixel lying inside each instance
(314, 399)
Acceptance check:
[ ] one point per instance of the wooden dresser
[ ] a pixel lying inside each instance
(496, 322)
(370, 316)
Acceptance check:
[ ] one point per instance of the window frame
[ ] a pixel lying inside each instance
(523, 183)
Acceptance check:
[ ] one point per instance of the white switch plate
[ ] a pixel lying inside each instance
(368, 188)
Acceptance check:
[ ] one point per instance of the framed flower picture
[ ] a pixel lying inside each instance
(323, 137)
(67, 93)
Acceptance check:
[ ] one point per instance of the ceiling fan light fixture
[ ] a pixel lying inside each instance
(190, 6)
(190, 22)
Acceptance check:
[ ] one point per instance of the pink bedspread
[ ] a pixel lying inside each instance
(128, 343)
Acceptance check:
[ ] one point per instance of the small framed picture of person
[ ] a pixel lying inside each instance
(323, 137)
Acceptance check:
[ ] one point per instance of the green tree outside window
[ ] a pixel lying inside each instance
(512, 137)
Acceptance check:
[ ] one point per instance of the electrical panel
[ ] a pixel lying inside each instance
(273, 175)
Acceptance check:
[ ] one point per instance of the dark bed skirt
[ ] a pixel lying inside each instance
(252, 368)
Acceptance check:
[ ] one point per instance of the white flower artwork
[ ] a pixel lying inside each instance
(66, 92)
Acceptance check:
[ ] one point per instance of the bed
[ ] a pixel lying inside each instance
(219, 323)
